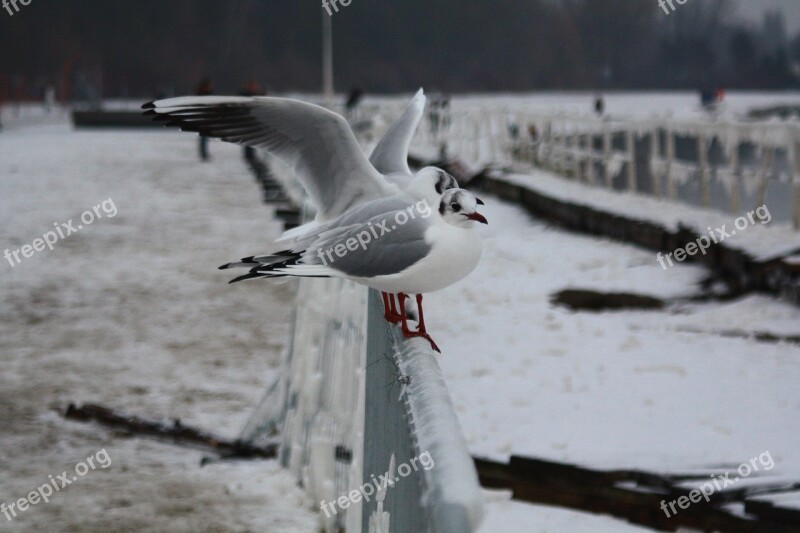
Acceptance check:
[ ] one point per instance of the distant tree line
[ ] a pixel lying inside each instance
(150, 47)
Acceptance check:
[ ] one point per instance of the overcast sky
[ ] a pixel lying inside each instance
(753, 10)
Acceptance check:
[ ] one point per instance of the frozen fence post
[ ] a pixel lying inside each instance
(607, 152)
(764, 174)
(671, 188)
(387, 432)
(590, 158)
(794, 165)
(408, 413)
(736, 171)
(316, 410)
(630, 148)
(655, 162)
(702, 158)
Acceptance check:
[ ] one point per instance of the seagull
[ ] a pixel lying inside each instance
(390, 158)
(393, 245)
(322, 149)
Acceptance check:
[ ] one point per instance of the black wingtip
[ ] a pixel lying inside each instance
(245, 277)
(226, 266)
(149, 105)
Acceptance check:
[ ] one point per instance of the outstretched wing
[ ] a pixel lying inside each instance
(391, 154)
(317, 143)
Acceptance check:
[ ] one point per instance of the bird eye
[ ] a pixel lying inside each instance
(456, 206)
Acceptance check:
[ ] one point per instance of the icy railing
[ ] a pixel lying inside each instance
(409, 415)
(355, 401)
(717, 162)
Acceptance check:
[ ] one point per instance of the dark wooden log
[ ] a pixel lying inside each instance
(632, 495)
(174, 432)
(741, 273)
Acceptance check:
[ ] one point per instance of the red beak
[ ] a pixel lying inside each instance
(477, 217)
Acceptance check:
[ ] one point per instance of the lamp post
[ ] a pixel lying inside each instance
(327, 58)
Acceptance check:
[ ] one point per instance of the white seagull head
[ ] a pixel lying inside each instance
(460, 208)
(430, 183)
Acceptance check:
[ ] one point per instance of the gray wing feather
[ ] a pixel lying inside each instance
(360, 214)
(317, 143)
(391, 154)
(402, 246)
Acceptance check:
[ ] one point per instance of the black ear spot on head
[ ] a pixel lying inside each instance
(440, 183)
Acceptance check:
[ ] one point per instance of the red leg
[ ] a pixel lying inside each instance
(401, 300)
(421, 327)
(407, 333)
(389, 310)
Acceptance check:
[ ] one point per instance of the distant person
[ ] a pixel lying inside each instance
(353, 101)
(204, 88)
(434, 115)
(446, 116)
(711, 99)
(49, 98)
(599, 106)
(355, 97)
(533, 132)
(251, 88)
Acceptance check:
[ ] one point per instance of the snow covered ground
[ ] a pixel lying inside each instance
(614, 389)
(131, 312)
(518, 517)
